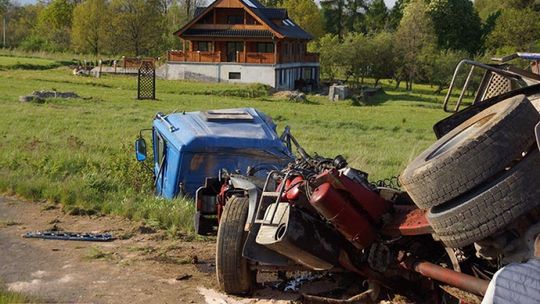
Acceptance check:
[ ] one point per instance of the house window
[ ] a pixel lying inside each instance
(203, 46)
(234, 75)
(265, 47)
(235, 19)
(286, 48)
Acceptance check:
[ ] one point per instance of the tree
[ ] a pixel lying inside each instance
(306, 14)
(137, 25)
(395, 14)
(355, 15)
(342, 16)
(190, 5)
(516, 29)
(356, 56)
(54, 25)
(382, 56)
(487, 7)
(330, 59)
(440, 66)
(21, 22)
(376, 17)
(457, 25)
(271, 3)
(333, 16)
(4, 7)
(414, 34)
(89, 33)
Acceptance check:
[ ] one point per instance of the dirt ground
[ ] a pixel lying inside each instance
(141, 266)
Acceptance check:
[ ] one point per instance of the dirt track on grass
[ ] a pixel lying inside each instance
(140, 266)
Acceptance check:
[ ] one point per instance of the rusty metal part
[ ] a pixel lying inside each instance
(337, 209)
(293, 191)
(362, 196)
(407, 220)
(453, 278)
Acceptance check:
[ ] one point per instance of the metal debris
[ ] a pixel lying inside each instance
(70, 236)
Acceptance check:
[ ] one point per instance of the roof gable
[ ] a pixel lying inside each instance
(285, 29)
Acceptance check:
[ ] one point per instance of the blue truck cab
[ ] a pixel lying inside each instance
(190, 146)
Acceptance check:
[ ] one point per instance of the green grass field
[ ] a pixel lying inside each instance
(8, 297)
(78, 152)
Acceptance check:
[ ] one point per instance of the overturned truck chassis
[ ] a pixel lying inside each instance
(320, 214)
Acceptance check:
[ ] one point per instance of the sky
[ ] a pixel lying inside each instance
(389, 3)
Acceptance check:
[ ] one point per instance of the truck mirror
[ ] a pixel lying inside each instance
(140, 149)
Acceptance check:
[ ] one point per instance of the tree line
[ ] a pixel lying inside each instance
(98, 27)
(415, 40)
(421, 40)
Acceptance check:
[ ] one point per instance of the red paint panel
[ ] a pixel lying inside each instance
(350, 222)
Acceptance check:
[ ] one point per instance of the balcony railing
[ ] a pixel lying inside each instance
(251, 57)
(194, 56)
(248, 57)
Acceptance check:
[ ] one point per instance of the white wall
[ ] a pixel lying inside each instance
(213, 72)
(249, 73)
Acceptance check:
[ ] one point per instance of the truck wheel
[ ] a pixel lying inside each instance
(488, 210)
(472, 153)
(232, 269)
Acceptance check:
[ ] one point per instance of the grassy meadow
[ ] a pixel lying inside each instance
(78, 152)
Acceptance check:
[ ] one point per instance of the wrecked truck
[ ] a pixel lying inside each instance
(467, 206)
(189, 146)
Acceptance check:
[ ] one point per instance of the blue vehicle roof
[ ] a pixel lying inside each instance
(204, 142)
(222, 130)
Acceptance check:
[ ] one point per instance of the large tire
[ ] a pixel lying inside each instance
(232, 269)
(490, 208)
(471, 153)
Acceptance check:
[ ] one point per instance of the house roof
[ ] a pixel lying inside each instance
(228, 33)
(285, 27)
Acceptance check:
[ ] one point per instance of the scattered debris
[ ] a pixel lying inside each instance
(295, 283)
(183, 277)
(41, 96)
(295, 96)
(82, 71)
(70, 236)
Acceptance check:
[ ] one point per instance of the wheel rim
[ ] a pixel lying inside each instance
(460, 137)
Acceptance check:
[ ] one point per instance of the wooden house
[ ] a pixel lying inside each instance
(243, 41)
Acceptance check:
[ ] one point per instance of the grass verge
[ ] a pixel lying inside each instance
(78, 152)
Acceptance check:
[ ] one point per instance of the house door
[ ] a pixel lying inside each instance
(232, 48)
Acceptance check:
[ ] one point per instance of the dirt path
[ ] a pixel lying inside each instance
(140, 268)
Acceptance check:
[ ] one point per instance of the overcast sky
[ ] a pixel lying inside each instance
(389, 3)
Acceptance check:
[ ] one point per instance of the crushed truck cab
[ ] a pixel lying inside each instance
(190, 146)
